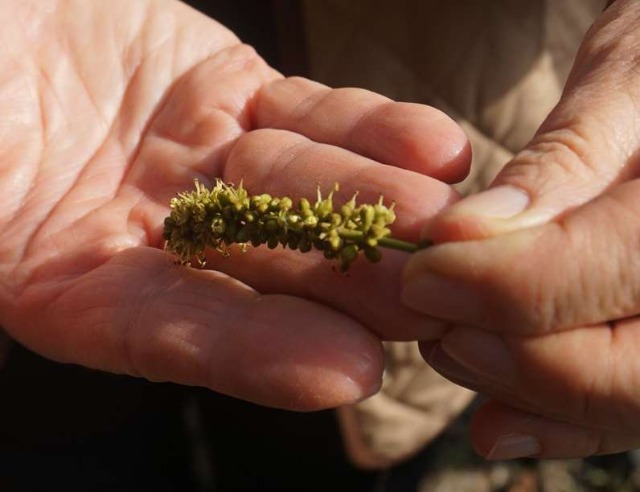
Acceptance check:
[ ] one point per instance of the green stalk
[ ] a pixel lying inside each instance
(387, 242)
(393, 243)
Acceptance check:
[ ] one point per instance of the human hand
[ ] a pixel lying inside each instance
(540, 275)
(110, 109)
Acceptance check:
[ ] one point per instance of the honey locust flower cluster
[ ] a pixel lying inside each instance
(225, 215)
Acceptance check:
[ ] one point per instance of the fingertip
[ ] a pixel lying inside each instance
(299, 356)
(501, 432)
(310, 389)
(446, 150)
(418, 138)
(482, 429)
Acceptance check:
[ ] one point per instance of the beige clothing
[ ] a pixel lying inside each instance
(497, 67)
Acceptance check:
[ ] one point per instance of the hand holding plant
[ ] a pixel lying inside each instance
(93, 150)
(539, 276)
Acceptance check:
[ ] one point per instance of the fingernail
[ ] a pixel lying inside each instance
(449, 368)
(442, 298)
(501, 202)
(363, 380)
(512, 446)
(486, 354)
(350, 391)
(333, 387)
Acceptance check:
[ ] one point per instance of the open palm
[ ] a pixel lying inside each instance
(109, 109)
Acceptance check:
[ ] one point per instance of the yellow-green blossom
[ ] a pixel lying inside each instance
(225, 215)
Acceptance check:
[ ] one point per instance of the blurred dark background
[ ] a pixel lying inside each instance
(273, 27)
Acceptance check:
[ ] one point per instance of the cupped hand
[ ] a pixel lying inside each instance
(539, 276)
(111, 108)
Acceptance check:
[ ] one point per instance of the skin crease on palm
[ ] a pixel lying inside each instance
(111, 108)
(539, 276)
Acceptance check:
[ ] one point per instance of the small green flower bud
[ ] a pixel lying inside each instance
(218, 226)
(293, 240)
(349, 253)
(305, 207)
(272, 242)
(367, 215)
(244, 234)
(373, 254)
(335, 242)
(285, 203)
(310, 221)
(305, 244)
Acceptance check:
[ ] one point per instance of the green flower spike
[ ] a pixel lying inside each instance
(227, 215)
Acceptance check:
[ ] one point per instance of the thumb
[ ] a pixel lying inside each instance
(578, 271)
(589, 142)
(553, 243)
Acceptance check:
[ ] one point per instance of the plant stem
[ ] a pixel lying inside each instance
(393, 243)
(387, 242)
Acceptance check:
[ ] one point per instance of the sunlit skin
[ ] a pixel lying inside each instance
(110, 108)
(544, 304)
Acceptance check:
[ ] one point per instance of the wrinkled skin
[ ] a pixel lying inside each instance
(540, 276)
(109, 109)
